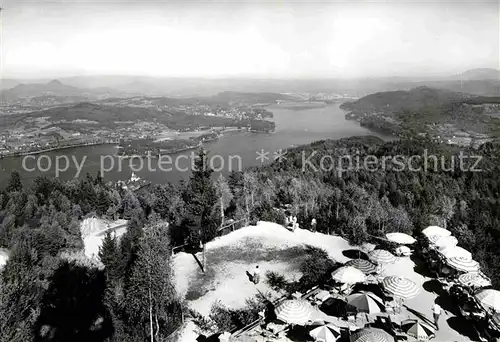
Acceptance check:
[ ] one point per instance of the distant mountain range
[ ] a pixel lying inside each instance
(484, 82)
(479, 75)
(54, 87)
(58, 89)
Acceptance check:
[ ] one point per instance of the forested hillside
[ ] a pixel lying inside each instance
(389, 198)
(427, 110)
(396, 101)
(48, 293)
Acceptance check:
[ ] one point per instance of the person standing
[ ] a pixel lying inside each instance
(270, 312)
(436, 311)
(256, 275)
(313, 225)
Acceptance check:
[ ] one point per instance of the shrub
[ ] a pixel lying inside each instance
(316, 267)
(204, 324)
(222, 318)
(230, 319)
(277, 281)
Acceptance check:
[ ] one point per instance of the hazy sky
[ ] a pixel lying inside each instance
(258, 39)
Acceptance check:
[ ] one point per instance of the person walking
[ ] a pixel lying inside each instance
(436, 311)
(256, 275)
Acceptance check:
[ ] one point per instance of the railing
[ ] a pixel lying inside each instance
(174, 335)
(231, 226)
(178, 247)
(255, 324)
(238, 332)
(111, 228)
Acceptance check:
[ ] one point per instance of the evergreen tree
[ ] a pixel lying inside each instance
(130, 205)
(14, 182)
(74, 236)
(21, 289)
(7, 230)
(151, 298)
(129, 245)
(109, 255)
(200, 197)
(98, 179)
(102, 203)
(88, 193)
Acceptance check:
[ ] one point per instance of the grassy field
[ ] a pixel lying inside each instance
(253, 253)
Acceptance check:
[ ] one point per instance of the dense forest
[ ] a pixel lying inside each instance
(50, 292)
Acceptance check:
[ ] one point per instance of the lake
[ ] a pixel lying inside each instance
(230, 152)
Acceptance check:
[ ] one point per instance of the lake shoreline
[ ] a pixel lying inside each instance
(23, 154)
(236, 146)
(194, 147)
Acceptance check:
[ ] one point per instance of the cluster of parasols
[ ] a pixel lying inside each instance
(459, 259)
(445, 244)
(454, 256)
(470, 276)
(301, 312)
